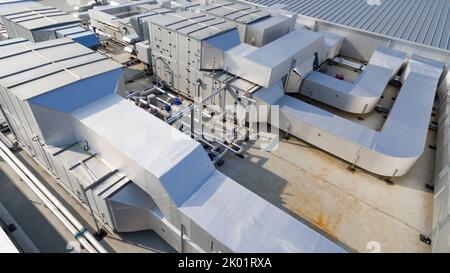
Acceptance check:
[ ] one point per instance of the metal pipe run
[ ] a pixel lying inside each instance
(166, 93)
(85, 238)
(212, 138)
(190, 108)
(348, 63)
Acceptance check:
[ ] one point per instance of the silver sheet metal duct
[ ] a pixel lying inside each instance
(39, 23)
(332, 46)
(441, 203)
(72, 125)
(268, 64)
(361, 96)
(391, 152)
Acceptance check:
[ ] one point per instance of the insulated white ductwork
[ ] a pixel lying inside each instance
(441, 183)
(390, 152)
(185, 195)
(331, 48)
(266, 65)
(186, 187)
(362, 96)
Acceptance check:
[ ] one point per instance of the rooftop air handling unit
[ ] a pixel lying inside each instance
(134, 170)
(39, 23)
(257, 26)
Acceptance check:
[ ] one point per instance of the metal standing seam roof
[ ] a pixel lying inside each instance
(195, 25)
(425, 22)
(30, 70)
(38, 17)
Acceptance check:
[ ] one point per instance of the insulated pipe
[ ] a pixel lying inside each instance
(141, 93)
(166, 93)
(348, 63)
(147, 92)
(163, 101)
(163, 113)
(46, 201)
(85, 237)
(186, 110)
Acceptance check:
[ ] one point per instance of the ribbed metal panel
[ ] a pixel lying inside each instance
(424, 22)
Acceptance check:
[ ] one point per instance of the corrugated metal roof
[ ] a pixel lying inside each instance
(29, 70)
(424, 22)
